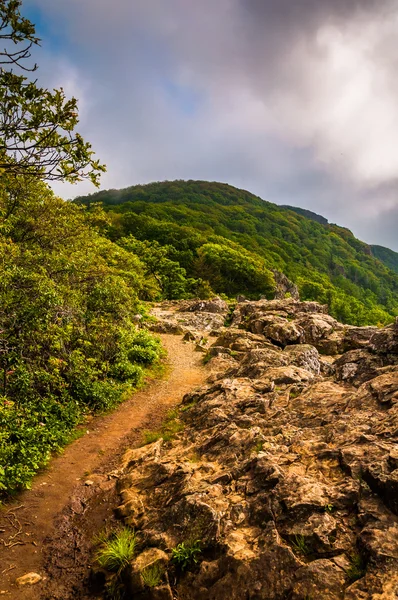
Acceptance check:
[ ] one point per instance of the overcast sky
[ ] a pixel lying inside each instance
(293, 100)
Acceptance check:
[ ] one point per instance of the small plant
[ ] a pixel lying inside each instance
(185, 554)
(259, 446)
(153, 575)
(300, 545)
(117, 551)
(171, 426)
(357, 567)
(207, 357)
(294, 393)
(328, 508)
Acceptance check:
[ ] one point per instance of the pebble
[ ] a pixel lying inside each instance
(89, 482)
(29, 579)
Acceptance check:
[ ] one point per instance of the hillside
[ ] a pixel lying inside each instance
(307, 213)
(217, 238)
(387, 256)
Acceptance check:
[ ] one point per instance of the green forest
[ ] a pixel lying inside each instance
(199, 238)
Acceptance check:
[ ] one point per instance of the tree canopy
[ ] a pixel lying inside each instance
(37, 125)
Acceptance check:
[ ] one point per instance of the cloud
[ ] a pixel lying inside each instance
(295, 101)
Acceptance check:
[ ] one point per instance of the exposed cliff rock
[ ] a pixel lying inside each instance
(287, 468)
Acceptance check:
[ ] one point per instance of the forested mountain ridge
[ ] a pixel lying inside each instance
(227, 240)
(386, 255)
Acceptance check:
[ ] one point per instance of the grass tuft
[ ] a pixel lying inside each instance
(153, 575)
(117, 551)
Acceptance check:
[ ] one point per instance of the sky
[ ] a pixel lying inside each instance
(295, 101)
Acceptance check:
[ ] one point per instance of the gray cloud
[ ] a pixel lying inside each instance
(295, 101)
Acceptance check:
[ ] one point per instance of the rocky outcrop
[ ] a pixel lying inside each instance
(284, 287)
(286, 472)
(190, 316)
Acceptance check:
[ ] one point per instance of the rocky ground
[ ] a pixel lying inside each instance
(286, 473)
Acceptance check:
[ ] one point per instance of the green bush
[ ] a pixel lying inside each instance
(69, 344)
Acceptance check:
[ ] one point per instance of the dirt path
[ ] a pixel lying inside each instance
(92, 457)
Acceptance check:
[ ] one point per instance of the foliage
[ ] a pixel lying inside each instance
(68, 344)
(116, 552)
(186, 553)
(230, 241)
(37, 126)
(386, 256)
(153, 575)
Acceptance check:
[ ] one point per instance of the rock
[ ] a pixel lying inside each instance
(215, 305)
(316, 327)
(283, 332)
(305, 356)
(358, 337)
(284, 286)
(240, 341)
(320, 579)
(357, 366)
(89, 482)
(162, 592)
(133, 574)
(29, 579)
(385, 341)
(287, 468)
(385, 388)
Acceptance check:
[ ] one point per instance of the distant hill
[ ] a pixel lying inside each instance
(230, 240)
(387, 256)
(307, 213)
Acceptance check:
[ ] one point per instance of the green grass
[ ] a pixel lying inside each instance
(169, 429)
(153, 575)
(117, 551)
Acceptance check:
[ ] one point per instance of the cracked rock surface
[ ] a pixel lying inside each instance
(287, 467)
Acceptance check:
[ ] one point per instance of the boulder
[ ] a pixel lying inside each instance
(357, 366)
(215, 305)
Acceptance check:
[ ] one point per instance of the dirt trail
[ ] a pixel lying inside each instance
(88, 458)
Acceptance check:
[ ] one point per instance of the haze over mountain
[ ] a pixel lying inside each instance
(294, 101)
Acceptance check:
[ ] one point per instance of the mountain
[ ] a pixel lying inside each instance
(218, 238)
(387, 256)
(307, 213)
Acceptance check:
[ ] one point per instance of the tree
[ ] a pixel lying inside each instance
(37, 126)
